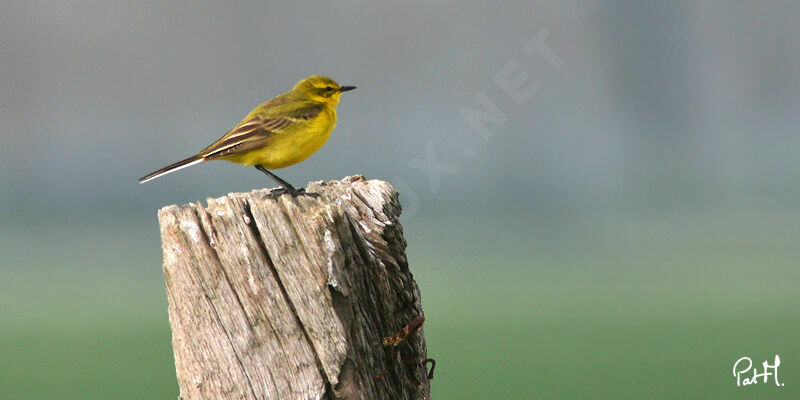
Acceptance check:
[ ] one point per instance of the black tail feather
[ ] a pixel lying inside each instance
(174, 167)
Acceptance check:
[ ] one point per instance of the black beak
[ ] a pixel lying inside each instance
(346, 88)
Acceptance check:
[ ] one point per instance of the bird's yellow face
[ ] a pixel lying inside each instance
(322, 89)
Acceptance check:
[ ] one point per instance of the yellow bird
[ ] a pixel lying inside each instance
(278, 133)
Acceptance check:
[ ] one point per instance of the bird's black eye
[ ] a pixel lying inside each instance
(329, 88)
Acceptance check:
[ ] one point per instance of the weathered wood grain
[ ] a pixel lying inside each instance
(271, 298)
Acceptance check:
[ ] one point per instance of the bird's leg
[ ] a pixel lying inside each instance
(286, 186)
(289, 188)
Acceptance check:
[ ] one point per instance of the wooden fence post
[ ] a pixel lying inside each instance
(275, 299)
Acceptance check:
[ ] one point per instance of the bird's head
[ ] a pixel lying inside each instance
(321, 88)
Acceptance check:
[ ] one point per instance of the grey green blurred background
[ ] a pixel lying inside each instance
(629, 231)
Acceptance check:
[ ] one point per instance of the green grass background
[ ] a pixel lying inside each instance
(518, 306)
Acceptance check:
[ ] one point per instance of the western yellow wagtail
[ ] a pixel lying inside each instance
(278, 133)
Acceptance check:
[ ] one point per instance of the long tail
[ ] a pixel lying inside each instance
(174, 167)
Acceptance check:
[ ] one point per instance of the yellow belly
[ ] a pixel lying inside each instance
(291, 147)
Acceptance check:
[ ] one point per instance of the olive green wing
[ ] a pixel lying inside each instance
(257, 131)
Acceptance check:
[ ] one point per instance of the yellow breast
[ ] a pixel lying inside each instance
(293, 145)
